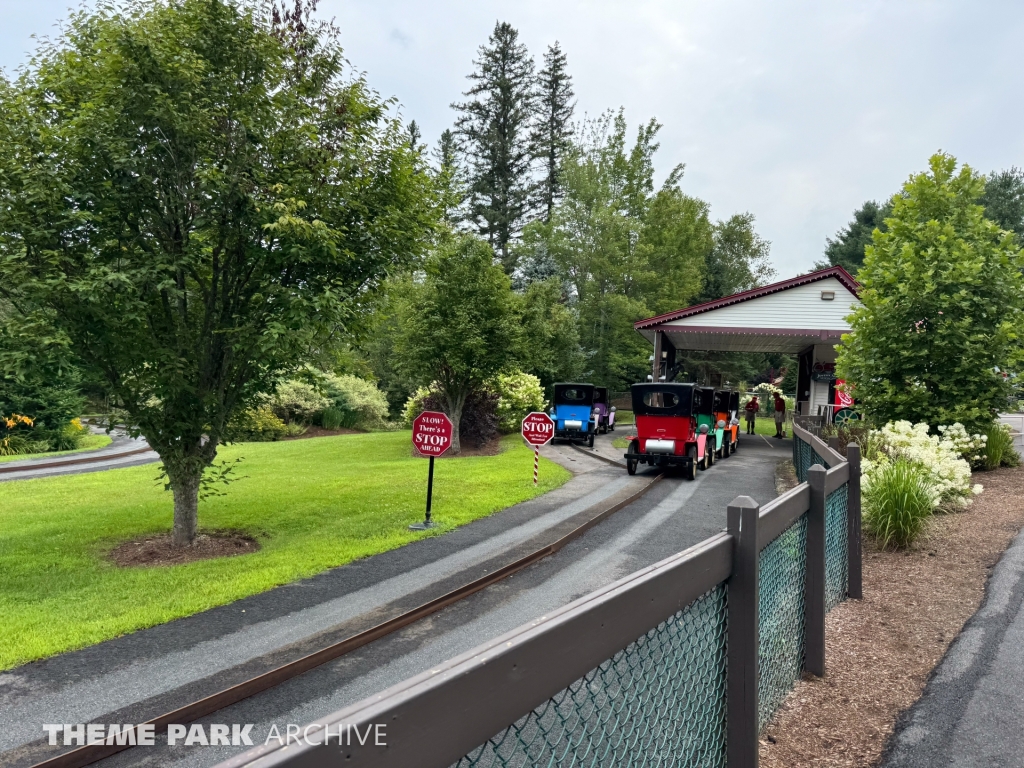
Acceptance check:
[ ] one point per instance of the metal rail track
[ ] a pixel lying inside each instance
(86, 755)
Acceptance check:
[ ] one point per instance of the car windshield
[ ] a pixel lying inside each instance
(574, 394)
(662, 399)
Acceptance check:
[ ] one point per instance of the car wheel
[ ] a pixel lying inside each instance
(590, 440)
(690, 470)
(631, 466)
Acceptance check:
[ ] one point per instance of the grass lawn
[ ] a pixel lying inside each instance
(313, 504)
(89, 443)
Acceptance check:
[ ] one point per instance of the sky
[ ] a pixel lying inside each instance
(793, 110)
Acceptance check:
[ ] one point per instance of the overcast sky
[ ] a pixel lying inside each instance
(796, 111)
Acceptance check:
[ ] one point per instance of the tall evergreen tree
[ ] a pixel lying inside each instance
(847, 250)
(494, 127)
(451, 180)
(552, 133)
(1003, 200)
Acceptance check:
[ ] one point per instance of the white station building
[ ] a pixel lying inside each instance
(803, 316)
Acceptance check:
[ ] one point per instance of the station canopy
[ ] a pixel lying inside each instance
(787, 317)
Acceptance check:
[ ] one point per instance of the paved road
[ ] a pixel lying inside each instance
(972, 710)
(123, 451)
(131, 678)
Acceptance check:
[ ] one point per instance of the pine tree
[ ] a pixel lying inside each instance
(494, 128)
(451, 182)
(552, 134)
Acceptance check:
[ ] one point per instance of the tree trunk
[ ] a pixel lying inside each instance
(186, 510)
(455, 404)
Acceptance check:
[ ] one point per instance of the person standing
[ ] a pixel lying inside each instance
(751, 409)
(780, 414)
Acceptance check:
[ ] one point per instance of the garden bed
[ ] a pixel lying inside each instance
(881, 650)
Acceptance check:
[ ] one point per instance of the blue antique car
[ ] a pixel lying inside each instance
(573, 412)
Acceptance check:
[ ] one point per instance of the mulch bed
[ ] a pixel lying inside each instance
(881, 650)
(158, 550)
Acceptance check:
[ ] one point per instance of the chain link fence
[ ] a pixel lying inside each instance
(660, 701)
(781, 617)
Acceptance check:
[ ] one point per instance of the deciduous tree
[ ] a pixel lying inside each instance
(197, 193)
(461, 324)
(943, 304)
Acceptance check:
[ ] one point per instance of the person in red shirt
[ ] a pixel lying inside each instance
(780, 414)
(751, 409)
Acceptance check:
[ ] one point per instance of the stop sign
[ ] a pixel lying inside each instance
(538, 428)
(431, 433)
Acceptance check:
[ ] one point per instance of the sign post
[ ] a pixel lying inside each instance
(431, 436)
(538, 429)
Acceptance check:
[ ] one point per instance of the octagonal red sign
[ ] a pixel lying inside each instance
(432, 433)
(538, 428)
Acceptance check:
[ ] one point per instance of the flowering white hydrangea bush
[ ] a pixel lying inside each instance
(938, 457)
(970, 447)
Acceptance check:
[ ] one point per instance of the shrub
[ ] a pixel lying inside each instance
(69, 438)
(970, 447)
(479, 424)
(998, 449)
(256, 425)
(897, 502)
(518, 394)
(298, 401)
(361, 404)
(949, 476)
(335, 418)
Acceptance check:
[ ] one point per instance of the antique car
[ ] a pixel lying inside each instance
(705, 412)
(726, 432)
(573, 412)
(667, 434)
(604, 410)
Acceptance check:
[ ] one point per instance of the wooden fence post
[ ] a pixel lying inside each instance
(743, 636)
(814, 585)
(853, 514)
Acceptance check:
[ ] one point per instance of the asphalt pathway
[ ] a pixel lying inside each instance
(129, 679)
(972, 710)
(123, 451)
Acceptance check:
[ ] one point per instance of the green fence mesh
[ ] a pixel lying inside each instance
(781, 621)
(836, 557)
(804, 457)
(658, 702)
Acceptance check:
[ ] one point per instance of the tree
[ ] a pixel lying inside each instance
(197, 194)
(450, 176)
(847, 250)
(738, 259)
(461, 325)
(552, 350)
(1003, 200)
(552, 133)
(942, 306)
(494, 129)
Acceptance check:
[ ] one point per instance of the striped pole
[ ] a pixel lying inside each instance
(536, 463)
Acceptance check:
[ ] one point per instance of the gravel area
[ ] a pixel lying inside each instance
(881, 650)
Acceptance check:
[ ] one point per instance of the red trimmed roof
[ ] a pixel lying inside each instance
(838, 273)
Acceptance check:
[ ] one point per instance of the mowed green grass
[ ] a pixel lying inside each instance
(89, 443)
(312, 504)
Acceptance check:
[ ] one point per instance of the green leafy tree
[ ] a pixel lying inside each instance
(1003, 200)
(943, 304)
(552, 350)
(738, 259)
(847, 249)
(198, 193)
(494, 130)
(461, 325)
(552, 131)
